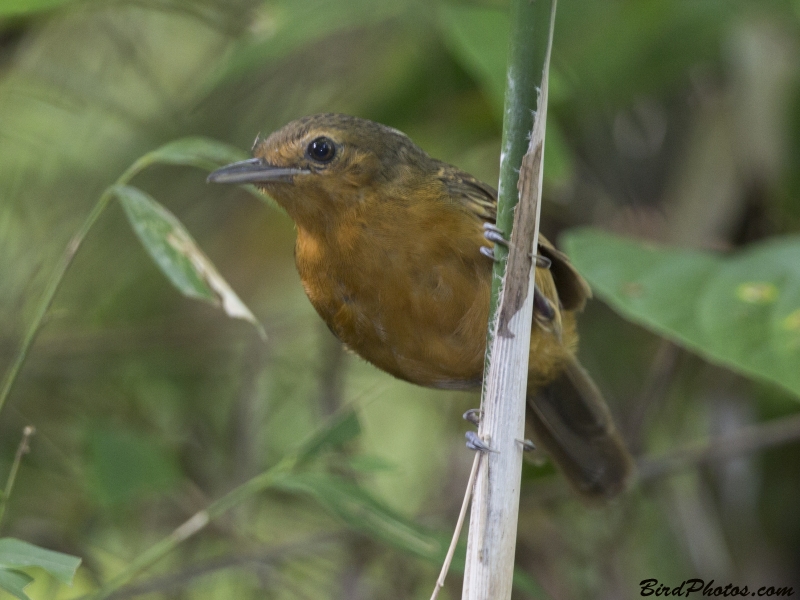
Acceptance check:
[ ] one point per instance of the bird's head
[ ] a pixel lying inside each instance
(319, 166)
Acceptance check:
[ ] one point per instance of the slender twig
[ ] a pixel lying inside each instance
(22, 450)
(57, 277)
(657, 385)
(196, 524)
(459, 525)
(745, 440)
(273, 557)
(53, 284)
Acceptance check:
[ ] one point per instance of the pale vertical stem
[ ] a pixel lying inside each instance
(495, 505)
(459, 524)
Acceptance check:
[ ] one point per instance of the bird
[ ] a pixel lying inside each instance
(394, 249)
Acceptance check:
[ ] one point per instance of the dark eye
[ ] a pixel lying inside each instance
(322, 149)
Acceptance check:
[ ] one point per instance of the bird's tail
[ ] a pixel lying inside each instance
(571, 422)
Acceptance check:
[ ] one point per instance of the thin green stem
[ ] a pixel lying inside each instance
(338, 426)
(49, 295)
(195, 524)
(22, 450)
(527, 46)
(54, 283)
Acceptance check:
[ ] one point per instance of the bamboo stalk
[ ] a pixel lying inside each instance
(495, 506)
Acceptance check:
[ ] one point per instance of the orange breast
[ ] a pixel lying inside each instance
(405, 286)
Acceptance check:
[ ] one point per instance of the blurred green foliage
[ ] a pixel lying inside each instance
(672, 122)
(743, 311)
(16, 554)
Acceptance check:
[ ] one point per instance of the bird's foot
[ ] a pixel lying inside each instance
(488, 252)
(473, 415)
(545, 314)
(474, 442)
(542, 261)
(527, 445)
(543, 309)
(492, 233)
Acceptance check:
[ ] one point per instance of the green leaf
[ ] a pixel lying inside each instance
(18, 8)
(203, 153)
(16, 554)
(342, 428)
(14, 582)
(178, 255)
(200, 152)
(363, 512)
(741, 310)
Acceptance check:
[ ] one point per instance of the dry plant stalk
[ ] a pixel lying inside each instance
(495, 506)
(459, 524)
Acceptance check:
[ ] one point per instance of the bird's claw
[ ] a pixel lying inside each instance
(527, 445)
(492, 233)
(545, 313)
(542, 261)
(474, 442)
(543, 308)
(473, 415)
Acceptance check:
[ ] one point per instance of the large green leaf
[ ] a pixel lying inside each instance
(740, 310)
(16, 554)
(178, 255)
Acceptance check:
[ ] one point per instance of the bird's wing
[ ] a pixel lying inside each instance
(572, 423)
(477, 197)
(573, 290)
(481, 200)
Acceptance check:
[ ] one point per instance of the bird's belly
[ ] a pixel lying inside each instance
(425, 325)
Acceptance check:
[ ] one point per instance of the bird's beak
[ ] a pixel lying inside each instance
(254, 170)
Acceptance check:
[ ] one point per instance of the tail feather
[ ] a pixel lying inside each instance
(571, 421)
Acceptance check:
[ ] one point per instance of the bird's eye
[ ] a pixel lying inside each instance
(321, 149)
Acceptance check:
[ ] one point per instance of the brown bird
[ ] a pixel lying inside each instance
(393, 253)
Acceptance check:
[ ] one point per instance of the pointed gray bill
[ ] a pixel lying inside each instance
(253, 170)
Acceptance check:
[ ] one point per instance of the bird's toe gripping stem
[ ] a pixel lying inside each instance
(474, 442)
(473, 415)
(492, 233)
